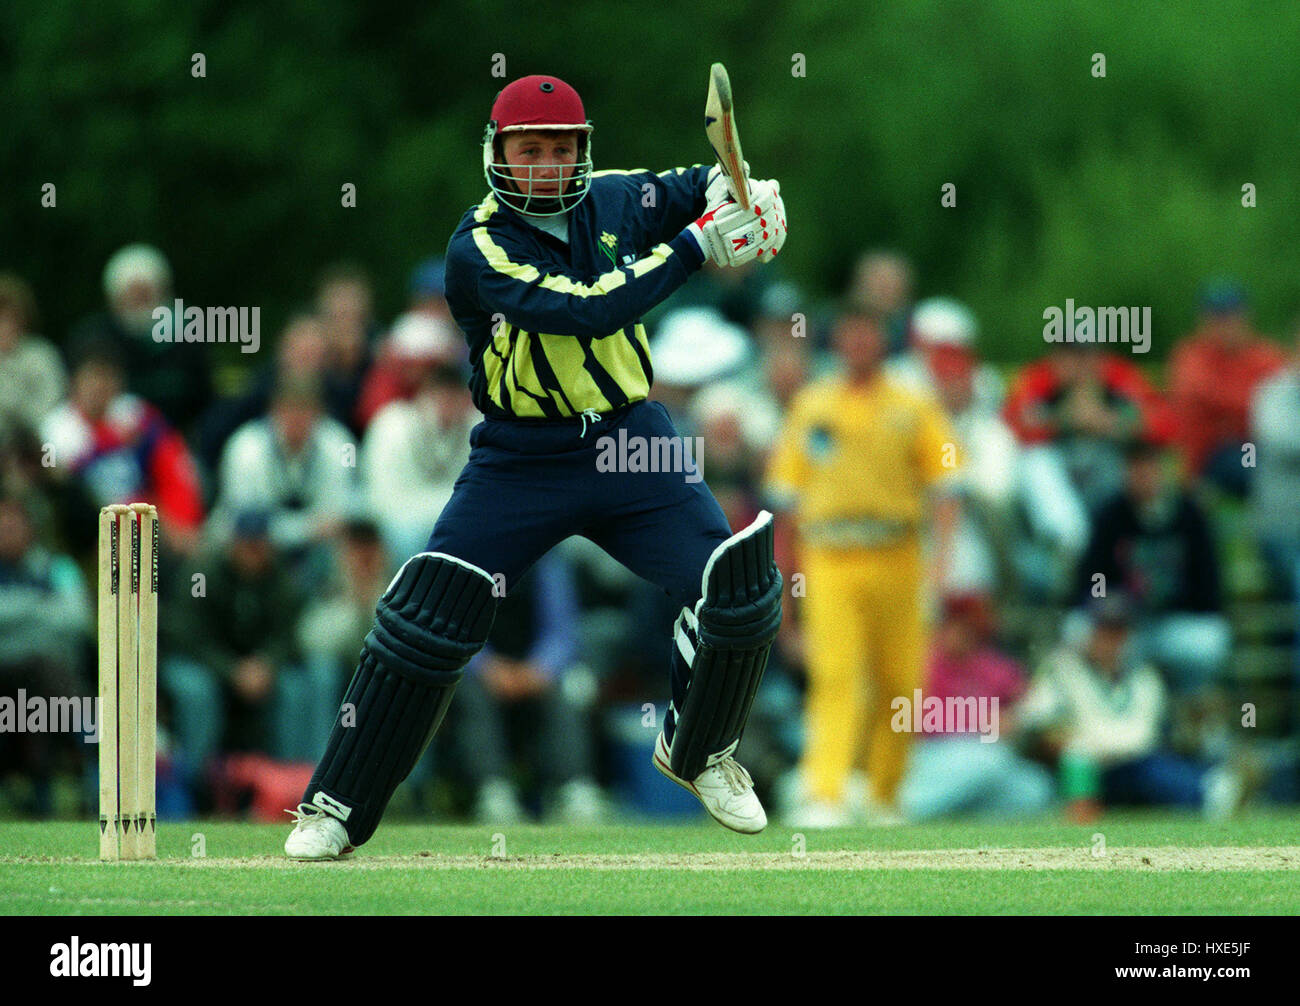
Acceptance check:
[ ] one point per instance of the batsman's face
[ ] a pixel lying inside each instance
(541, 161)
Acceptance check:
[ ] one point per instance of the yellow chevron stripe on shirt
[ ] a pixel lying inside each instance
(494, 366)
(605, 283)
(498, 259)
(657, 257)
(565, 355)
(523, 384)
(621, 363)
(522, 379)
(514, 383)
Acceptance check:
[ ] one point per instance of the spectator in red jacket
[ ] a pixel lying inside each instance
(417, 344)
(1085, 404)
(1213, 373)
(118, 448)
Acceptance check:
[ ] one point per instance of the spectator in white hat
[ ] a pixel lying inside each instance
(416, 343)
(694, 347)
(941, 331)
(173, 375)
(1003, 485)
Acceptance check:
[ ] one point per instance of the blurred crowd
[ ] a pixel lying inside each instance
(1085, 487)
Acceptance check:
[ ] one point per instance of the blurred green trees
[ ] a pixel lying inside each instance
(1121, 190)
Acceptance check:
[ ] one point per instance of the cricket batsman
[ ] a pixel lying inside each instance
(548, 277)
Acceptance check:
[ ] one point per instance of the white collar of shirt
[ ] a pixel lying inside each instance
(557, 226)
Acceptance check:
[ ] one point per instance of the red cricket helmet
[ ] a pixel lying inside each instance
(537, 102)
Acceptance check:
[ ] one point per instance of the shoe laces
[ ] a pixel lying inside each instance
(734, 774)
(306, 813)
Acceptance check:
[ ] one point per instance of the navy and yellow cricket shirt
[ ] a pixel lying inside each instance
(555, 328)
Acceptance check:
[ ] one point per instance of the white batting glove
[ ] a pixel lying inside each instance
(731, 236)
(769, 208)
(705, 231)
(717, 189)
(739, 236)
(727, 234)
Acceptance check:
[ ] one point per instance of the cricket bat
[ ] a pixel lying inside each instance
(720, 128)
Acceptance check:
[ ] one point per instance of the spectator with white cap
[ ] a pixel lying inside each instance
(942, 336)
(942, 363)
(1004, 482)
(693, 347)
(171, 375)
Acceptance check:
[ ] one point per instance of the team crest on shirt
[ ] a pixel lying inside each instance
(609, 245)
(820, 443)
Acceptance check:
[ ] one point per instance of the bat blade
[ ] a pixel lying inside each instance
(720, 128)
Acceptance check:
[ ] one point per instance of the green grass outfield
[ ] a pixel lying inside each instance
(1150, 864)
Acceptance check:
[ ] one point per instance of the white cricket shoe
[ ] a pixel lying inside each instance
(725, 789)
(316, 835)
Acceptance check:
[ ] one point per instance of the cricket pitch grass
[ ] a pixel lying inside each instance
(1122, 865)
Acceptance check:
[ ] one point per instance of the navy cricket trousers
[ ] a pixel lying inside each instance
(531, 484)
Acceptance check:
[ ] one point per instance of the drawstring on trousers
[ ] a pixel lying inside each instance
(591, 414)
